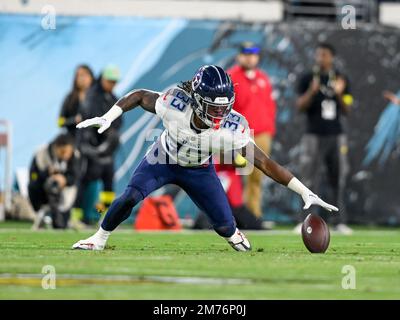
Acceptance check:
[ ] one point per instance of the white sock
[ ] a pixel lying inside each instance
(102, 234)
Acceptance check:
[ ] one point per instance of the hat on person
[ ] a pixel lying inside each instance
(249, 48)
(111, 72)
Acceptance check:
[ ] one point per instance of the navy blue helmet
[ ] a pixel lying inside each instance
(213, 95)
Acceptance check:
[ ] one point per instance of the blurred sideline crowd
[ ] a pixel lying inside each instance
(62, 172)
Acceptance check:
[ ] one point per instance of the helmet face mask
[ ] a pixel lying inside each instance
(212, 94)
(213, 113)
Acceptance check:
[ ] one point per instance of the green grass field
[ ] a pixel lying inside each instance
(279, 267)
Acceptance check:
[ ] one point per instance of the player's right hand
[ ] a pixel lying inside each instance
(102, 123)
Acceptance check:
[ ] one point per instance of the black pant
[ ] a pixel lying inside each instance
(329, 153)
(41, 195)
(37, 196)
(95, 171)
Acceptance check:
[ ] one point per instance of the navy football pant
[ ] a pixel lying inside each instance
(200, 183)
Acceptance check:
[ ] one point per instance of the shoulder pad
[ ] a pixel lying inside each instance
(176, 99)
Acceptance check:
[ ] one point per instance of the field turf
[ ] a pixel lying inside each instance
(197, 265)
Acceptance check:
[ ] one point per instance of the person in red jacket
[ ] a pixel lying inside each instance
(254, 100)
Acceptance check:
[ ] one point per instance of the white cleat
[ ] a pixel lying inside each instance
(343, 229)
(297, 228)
(238, 241)
(91, 243)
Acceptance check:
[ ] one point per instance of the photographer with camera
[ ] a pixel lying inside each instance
(324, 97)
(52, 183)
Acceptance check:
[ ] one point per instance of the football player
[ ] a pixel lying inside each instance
(199, 122)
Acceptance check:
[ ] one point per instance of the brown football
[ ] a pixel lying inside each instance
(315, 234)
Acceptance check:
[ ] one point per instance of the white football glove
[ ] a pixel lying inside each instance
(310, 198)
(103, 122)
(100, 122)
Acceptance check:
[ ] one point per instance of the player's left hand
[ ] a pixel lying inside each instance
(311, 198)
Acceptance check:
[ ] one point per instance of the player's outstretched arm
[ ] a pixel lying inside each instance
(140, 97)
(284, 177)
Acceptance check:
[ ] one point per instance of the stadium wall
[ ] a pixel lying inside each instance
(248, 10)
(37, 67)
